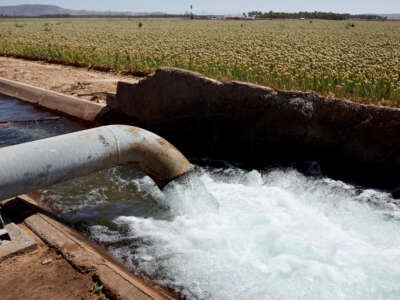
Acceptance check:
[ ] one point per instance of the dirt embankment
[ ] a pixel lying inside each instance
(80, 82)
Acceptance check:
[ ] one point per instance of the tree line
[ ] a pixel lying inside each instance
(312, 15)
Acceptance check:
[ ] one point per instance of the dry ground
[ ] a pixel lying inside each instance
(81, 82)
(43, 274)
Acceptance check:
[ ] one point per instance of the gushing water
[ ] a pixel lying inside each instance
(188, 196)
(278, 235)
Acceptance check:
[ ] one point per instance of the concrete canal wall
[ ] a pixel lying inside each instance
(258, 125)
(65, 104)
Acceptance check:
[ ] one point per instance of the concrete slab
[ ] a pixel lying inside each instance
(19, 243)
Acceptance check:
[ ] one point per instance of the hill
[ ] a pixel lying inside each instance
(35, 10)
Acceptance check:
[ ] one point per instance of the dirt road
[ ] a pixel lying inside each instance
(80, 82)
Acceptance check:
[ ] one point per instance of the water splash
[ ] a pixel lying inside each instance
(277, 235)
(234, 234)
(188, 195)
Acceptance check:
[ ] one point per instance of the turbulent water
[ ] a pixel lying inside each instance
(233, 234)
(230, 233)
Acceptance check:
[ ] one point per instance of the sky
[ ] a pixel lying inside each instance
(223, 6)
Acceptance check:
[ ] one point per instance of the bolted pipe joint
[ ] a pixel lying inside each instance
(39, 164)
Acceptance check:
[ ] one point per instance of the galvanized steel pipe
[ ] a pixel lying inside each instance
(39, 164)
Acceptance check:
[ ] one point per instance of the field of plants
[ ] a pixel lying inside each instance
(355, 60)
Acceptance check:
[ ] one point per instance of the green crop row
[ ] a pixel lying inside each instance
(361, 63)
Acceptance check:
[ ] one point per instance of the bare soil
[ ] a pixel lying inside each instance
(43, 274)
(80, 82)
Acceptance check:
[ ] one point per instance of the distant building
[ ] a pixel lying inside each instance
(239, 18)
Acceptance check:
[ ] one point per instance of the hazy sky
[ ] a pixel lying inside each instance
(224, 6)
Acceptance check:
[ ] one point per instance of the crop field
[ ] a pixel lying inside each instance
(358, 60)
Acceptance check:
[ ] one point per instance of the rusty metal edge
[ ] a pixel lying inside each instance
(86, 257)
(68, 105)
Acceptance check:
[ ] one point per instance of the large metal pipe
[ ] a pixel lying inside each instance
(39, 164)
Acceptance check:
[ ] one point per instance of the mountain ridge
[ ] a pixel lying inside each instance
(37, 10)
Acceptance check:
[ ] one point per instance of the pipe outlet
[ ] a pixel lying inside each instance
(30, 166)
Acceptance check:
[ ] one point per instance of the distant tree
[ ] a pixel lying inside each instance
(311, 15)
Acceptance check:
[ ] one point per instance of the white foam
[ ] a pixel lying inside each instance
(277, 235)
